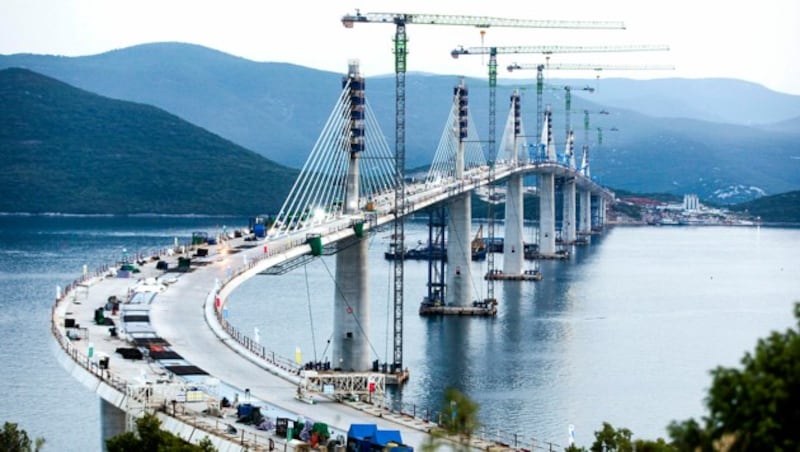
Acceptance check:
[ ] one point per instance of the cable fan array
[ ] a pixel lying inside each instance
(318, 194)
(443, 168)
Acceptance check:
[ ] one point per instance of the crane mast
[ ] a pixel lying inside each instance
(400, 20)
(579, 67)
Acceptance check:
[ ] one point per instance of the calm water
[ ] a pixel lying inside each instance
(36, 254)
(625, 332)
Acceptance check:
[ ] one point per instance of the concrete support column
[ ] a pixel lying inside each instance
(601, 211)
(513, 252)
(585, 219)
(459, 252)
(351, 309)
(568, 217)
(113, 422)
(547, 214)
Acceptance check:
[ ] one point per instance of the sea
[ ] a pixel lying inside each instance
(625, 331)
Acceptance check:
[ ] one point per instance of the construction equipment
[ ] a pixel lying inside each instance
(547, 50)
(592, 67)
(400, 20)
(583, 67)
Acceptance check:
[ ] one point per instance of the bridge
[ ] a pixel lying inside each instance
(347, 189)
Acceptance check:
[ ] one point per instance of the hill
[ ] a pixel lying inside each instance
(675, 135)
(70, 151)
(712, 99)
(781, 208)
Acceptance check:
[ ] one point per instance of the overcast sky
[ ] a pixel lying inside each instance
(758, 41)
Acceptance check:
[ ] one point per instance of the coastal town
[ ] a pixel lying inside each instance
(633, 210)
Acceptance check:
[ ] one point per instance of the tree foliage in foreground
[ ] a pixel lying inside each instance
(753, 408)
(13, 439)
(150, 437)
(756, 407)
(459, 421)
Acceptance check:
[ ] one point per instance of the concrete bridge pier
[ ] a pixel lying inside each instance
(585, 219)
(568, 218)
(601, 212)
(351, 309)
(459, 252)
(113, 422)
(513, 246)
(547, 215)
(351, 301)
(594, 206)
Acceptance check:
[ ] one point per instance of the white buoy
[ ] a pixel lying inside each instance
(58, 292)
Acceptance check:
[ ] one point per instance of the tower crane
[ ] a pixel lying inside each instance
(400, 20)
(593, 67)
(543, 49)
(547, 50)
(581, 67)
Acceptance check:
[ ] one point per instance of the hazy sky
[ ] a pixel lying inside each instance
(758, 41)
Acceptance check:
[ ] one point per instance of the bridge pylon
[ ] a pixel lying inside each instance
(351, 351)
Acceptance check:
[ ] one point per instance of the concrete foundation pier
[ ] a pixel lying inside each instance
(351, 309)
(513, 253)
(547, 215)
(568, 235)
(113, 422)
(585, 219)
(459, 252)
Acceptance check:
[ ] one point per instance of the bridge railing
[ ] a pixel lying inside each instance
(216, 427)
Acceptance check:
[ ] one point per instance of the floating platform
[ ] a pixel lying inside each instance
(397, 378)
(527, 275)
(486, 308)
(555, 256)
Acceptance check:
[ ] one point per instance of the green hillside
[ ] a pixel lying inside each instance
(67, 150)
(670, 135)
(781, 208)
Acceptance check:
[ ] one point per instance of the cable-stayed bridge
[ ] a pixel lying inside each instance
(348, 187)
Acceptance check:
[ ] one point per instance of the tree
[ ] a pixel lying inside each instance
(753, 408)
(459, 420)
(609, 439)
(13, 439)
(150, 437)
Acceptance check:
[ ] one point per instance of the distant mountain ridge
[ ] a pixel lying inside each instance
(279, 110)
(780, 208)
(66, 150)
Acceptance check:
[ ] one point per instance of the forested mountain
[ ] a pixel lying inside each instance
(667, 135)
(66, 150)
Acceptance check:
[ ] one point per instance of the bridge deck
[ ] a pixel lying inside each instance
(178, 316)
(184, 316)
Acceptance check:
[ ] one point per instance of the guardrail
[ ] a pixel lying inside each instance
(495, 436)
(219, 428)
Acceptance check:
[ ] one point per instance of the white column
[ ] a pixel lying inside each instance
(586, 212)
(459, 252)
(547, 214)
(568, 217)
(513, 253)
(351, 309)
